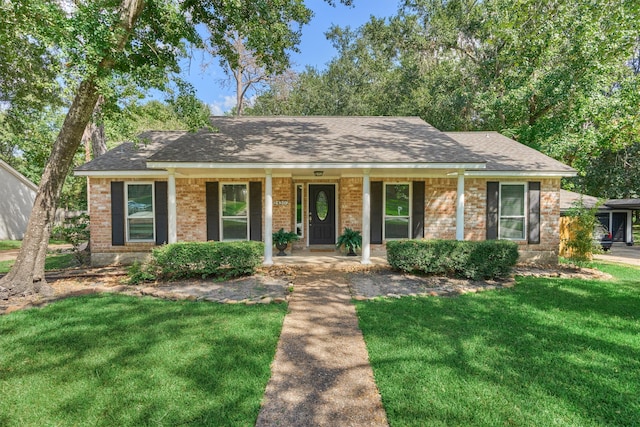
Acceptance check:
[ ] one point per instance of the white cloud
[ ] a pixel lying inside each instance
(216, 109)
(219, 108)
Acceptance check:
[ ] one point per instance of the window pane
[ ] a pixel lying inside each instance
(397, 200)
(322, 206)
(140, 211)
(299, 210)
(512, 228)
(140, 200)
(140, 228)
(396, 228)
(234, 228)
(234, 200)
(512, 200)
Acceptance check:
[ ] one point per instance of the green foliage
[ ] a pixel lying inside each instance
(550, 351)
(118, 360)
(75, 231)
(350, 239)
(583, 223)
(206, 259)
(561, 77)
(488, 259)
(140, 272)
(282, 237)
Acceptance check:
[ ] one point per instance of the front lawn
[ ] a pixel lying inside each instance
(118, 360)
(552, 352)
(52, 262)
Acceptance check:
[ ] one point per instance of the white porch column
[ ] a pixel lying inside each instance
(171, 208)
(366, 218)
(460, 207)
(268, 218)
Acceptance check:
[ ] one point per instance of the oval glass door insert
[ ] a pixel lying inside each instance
(322, 206)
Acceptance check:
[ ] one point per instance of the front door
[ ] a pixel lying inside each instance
(322, 214)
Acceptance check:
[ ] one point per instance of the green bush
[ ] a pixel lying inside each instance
(475, 260)
(205, 259)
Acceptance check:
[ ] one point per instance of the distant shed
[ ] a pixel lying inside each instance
(17, 194)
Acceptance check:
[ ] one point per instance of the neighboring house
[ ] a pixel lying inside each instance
(389, 177)
(615, 215)
(17, 194)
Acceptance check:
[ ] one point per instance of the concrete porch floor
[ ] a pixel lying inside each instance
(327, 256)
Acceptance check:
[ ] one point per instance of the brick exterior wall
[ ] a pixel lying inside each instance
(440, 211)
(350, 204)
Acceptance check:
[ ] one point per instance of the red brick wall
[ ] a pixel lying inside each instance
(440, 210)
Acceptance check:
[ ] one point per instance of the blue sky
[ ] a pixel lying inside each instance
(315, 50)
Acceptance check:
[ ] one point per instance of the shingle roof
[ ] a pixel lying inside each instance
(305, 140)
(131, 156)
(317, 140)
(505, 154)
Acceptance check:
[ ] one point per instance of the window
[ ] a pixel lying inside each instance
(235, 212)
(512, 211)
(299, 204)
(397, 213)
(140, 217)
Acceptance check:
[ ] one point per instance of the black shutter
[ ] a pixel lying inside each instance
(493, 190)
(162, 212)
(213, 211)
(534, 213)
(417, 210)
(117, 213)
(376, 212)
(255, 211)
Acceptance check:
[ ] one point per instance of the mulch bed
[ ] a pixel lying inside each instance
(273, 284)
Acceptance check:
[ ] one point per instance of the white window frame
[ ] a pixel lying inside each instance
(524, 215)
(295, 208)
(126, 207)
(384, 210)
(223, 217)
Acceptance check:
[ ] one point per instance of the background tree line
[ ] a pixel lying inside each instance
(560, 76)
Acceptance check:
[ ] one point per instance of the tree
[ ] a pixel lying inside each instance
(103, 39)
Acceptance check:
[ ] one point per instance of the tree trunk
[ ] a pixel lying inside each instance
(98, 137)
(27, 275)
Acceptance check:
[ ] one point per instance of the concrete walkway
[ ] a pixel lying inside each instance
(321, 374)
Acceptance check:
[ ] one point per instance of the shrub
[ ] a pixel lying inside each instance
(488, 259)
(75, 231)
(207, 259)
(581, 242)
(139, 273)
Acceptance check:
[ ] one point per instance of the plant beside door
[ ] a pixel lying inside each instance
(281, 240)
(351, 240)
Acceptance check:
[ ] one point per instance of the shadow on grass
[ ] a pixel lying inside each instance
(549, 352)
(117, 360)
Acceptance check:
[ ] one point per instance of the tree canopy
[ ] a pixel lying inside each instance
(561, 77)
(80, 51)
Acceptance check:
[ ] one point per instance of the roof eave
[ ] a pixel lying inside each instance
(321, 165)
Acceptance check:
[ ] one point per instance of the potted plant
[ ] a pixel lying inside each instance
(281, 240)
(351, 240)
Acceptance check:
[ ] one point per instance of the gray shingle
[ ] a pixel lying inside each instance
(132, 157)
(317, 139)
(505, 154)
(326, 140)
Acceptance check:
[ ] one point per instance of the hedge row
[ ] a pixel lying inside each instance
(206, 259)
(476, 260)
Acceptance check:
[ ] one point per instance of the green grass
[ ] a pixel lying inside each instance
(552, 352)
(7, 245)
(52, 262)
(111, 360)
